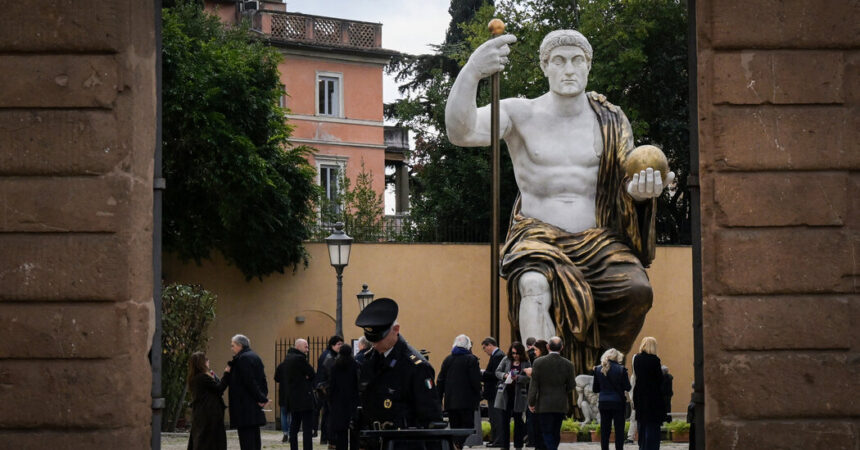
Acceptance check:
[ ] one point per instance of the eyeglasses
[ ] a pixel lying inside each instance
(514, 353)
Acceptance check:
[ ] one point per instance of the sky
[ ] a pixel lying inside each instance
(408, 26)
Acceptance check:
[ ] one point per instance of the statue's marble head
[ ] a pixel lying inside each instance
(560, 38)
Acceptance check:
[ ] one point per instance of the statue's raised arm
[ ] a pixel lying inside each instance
(466, 124)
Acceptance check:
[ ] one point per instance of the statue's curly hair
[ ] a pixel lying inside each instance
(559, 38)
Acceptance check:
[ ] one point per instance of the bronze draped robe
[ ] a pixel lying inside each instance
(600, 292)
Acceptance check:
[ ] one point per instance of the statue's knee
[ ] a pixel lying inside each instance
(533, 283)
(640, 290)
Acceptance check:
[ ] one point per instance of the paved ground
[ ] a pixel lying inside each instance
(272, 439)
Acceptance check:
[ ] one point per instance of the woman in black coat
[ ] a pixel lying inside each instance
(612, 383)
(342, 397)
(207, 406)
(647, 396)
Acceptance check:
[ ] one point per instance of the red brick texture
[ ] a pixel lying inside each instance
(77, 140)
(780, 202)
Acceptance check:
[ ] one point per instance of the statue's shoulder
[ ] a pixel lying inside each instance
(601, 100)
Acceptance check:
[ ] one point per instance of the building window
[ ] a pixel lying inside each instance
(329, 94)
(330, 183)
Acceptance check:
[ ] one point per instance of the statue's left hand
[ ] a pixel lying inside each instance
(648, 184)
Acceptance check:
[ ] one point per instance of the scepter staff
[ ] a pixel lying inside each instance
(497, 28)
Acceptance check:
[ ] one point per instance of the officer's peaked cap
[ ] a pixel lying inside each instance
(377, 318)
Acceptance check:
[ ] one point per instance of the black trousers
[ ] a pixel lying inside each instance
(303, 420)
(461, 418)
(339, 438)
(496, 418)
(612, 414)
(249, 438)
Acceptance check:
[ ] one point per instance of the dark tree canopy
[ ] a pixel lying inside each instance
(640, 64)
(233, 182)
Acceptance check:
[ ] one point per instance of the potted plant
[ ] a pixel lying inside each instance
(680, 431)
(569, 430)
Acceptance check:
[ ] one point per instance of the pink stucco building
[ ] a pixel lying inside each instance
(332, 71)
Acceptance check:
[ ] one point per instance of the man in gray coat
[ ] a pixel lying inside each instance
(549, 390)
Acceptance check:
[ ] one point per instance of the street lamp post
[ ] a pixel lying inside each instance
(364, 297)
(339, 245)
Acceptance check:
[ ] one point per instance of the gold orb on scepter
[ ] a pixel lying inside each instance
(646, 156)
(496, 27)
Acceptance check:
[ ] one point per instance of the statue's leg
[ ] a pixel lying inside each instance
(622, 296)
(535, 303)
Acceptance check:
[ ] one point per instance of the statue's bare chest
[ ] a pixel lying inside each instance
(561, 141)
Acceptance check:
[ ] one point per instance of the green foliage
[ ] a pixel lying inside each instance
(591, 426)
(359, 207)
(569, 424)
(234, 184)
(678, 426)
(187, 311)
(640, 64)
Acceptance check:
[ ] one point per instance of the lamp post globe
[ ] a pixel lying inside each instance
(364, 297)
(339, 246)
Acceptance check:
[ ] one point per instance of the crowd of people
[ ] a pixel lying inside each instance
(529, 384)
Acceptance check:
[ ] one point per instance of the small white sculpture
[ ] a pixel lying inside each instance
(586, 398)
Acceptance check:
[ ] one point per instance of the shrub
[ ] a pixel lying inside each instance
(570, 425)
(187, 311)
(678, 426)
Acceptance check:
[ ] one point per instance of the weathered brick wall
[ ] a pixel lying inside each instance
(780, 194)
(77, 139)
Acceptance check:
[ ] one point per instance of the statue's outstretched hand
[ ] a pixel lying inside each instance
(648, 184)
(491, 56)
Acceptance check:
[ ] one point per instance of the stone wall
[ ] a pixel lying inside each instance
(77, 139)
(780, 193)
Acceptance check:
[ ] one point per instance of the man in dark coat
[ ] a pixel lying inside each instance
(281, 379)
(666, 390)
(549, 391)
(459, 383)
(491, 347)
(248, 391)
(300, 397)
(395, 383)
(324, 363)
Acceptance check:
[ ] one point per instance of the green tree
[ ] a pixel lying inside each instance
(187, 311)
(359, 207)
(639, 64)
(234, 184)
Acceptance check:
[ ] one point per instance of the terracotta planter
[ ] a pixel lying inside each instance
(568, 436)
(595, 436)
(680, 436)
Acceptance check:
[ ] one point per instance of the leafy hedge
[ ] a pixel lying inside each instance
(187, 311)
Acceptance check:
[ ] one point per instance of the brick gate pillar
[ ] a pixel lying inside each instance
(780, 195)
(77, 138)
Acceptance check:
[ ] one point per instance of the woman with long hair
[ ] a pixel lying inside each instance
(512, 394)
(343, 397)
(612, 383)
(647, 397)
(207, 406)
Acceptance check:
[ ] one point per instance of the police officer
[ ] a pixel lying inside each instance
(396, 382)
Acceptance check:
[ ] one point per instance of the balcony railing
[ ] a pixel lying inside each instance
(321, 30)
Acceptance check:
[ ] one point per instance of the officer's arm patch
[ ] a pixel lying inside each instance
(428, 382)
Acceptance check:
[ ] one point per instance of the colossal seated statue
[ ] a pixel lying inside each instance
(582, 228)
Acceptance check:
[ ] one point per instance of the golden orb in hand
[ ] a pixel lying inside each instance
(496, 27)
(646, 156)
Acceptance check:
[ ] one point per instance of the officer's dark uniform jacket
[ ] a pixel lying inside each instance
(398, 391)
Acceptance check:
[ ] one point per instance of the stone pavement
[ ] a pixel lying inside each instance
(272, 439)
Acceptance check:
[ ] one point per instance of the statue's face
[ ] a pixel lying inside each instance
(567, 71)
